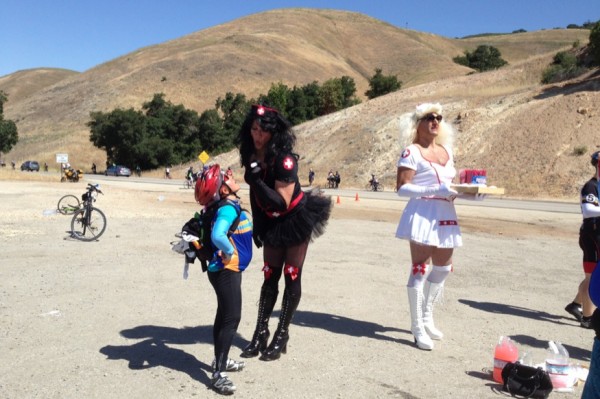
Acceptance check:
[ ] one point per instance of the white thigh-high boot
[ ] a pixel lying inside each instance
(415, 300)
(432, 292)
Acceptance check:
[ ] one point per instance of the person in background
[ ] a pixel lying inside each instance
(311, 177)
(591, 389)
(374, 182)
(189, 175)
(232, 256)
(94, 168)
(429, 222)
(337, 179)
(45, 166)
(582, 306)
(168, 172)
(285, 218)
(330, 179)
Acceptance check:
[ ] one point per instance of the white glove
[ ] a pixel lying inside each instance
(414, 191)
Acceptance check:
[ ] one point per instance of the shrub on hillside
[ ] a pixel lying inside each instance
(564, 66)
(484, 58)
(594, 45)
(580, 150)
(381, 84)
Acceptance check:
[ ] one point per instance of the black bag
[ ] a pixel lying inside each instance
(526, 381)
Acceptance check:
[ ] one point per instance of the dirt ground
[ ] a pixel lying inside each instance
(114, 318)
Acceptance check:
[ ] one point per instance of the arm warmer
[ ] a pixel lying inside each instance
(268, 197)
(225, 217)
(414, 191)
(590, 210)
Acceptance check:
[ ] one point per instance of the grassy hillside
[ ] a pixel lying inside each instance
(293, 46)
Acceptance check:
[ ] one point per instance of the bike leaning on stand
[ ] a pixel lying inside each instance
(88, 222)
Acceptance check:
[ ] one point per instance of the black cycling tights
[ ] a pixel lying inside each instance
(228, 287)
(277, 258)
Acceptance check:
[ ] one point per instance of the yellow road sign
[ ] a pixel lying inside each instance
(203, 157)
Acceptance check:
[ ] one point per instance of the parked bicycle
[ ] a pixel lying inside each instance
(188, 183)
(88, 222)
(68, 204)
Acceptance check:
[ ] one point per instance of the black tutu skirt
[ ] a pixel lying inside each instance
(304, 223)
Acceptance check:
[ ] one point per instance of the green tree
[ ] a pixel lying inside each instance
(297, 106)
(594, 44)
(9, 135)
(233, 108)
(484, 58)
(332, 96)
(278, 97)
(348, 92)
(3, 99)
(119, 133)
(380, 84)
(564, 66)
(312, 95)
(175, 124)
(211, 130)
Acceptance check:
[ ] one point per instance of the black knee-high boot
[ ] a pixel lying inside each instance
(281, 336)
(267, 300)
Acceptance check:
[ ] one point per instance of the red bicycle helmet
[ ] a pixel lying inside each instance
(208, 185)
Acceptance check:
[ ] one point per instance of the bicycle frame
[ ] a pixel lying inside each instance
(83, 227)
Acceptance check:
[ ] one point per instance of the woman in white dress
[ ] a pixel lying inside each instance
(425, 172)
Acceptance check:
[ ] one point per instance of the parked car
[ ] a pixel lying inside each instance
(30, 166)
(118, 170)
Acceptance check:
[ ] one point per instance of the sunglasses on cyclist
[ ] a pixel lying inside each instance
(432, 117)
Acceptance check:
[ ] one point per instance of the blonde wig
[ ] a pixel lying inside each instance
(410, 120)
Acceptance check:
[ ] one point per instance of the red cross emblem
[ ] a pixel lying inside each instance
(405, 153)
(288, 163)
(419, 268)
(267, 270)
(292, 271)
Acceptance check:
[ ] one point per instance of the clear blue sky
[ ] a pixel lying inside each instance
(80, 34)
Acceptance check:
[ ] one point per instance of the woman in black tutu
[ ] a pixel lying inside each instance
(285, 220)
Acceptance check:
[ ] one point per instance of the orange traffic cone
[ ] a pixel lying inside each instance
(338, 200)
(356, 198)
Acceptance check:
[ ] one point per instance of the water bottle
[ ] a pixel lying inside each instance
(506, 351)
(557, 366)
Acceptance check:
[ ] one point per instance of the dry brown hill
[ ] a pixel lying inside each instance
(521, 132)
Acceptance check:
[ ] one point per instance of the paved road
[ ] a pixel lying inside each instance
(490, 201)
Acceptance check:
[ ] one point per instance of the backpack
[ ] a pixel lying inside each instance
(201, 226)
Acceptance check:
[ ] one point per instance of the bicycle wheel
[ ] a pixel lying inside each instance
(88, 229)
(68, 204)
(380, 187)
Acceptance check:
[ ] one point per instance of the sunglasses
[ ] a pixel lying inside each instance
(432, 117)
